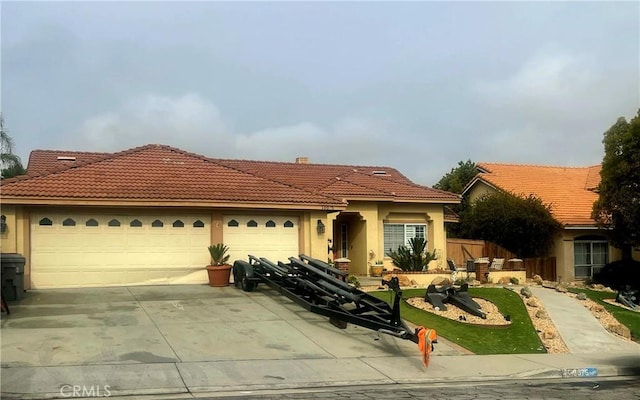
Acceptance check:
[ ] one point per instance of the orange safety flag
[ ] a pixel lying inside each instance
(426, 338)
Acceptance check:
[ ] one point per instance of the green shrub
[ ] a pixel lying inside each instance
(415, 259)
(522, 225)
(514, 280)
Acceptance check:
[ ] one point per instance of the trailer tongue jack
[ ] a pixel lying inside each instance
(321, 289)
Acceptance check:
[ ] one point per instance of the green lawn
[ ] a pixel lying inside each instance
(519, 338)
(631, 319)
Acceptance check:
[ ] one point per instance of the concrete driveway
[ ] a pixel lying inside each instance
(155, 339)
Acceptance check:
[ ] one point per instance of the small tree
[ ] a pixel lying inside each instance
(415, 259)
(9, 162)
(522, 225)
(456, 179)
(618, 206)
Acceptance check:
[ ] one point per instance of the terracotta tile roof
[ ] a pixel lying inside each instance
(569, 190)
(163, 173)
(156, 172)
(450, 215)
(350, 182)
(43, 161)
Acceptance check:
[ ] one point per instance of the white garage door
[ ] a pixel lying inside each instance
(273, 237)
(84, 250)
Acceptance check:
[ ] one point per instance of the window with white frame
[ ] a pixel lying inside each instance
(396, 235)
(590, 255)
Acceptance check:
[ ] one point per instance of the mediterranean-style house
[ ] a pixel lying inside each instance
(147, 215)
(581, 248)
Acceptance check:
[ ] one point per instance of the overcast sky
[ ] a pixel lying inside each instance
(415, 86)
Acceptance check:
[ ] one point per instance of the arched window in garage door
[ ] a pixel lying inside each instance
(91, 222)
(135, 223)
(69, 222)
(45, 222)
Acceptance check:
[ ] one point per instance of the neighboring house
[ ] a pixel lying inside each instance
(581, 248)
(146, 215)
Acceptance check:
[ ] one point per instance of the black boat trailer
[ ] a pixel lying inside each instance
(321, 289)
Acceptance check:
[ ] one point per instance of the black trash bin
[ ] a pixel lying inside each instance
(12, 276)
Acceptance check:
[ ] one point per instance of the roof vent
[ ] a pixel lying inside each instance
(302, 160)
(379, 172)
(66, 158)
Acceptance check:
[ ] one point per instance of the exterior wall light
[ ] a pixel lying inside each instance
(320, 227)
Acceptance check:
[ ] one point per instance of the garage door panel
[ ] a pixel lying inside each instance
(80, 255)
(277, 244)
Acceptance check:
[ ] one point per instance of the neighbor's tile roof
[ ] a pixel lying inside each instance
(163, 173)
(569, 190)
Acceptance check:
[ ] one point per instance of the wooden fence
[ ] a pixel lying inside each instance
(461, 250)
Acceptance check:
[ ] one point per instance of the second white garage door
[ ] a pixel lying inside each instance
(273, 237)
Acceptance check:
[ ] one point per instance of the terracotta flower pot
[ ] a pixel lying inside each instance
(376, 270)
(219, 275)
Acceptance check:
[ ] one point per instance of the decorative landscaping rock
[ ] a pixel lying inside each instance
(504, 280)
(549, 334)
(532, 302)
(581, 296)
(441, 281)
(619, 329)
(526, 292)
(597, 308)
(404, 280)
(561, 289)
(537, 279)
(542, 314)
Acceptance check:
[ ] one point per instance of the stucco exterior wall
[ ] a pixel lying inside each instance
(431, 214)
(312, 243)
(15, 238)
(564, 252)
(366, 232)
(478, 190)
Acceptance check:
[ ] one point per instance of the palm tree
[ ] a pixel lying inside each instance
(10, 163)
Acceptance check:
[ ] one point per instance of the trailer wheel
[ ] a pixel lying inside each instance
(245, 283)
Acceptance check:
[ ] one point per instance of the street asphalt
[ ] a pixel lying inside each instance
(201, 341)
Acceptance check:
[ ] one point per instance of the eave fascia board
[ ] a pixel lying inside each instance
(402, 200)
(476, 180)
(171, 203)
(582, 227)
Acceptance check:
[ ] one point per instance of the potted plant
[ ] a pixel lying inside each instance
(377, 268)
(219, 271)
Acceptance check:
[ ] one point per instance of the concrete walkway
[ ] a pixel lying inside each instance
(201, 341)
(581, 332)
